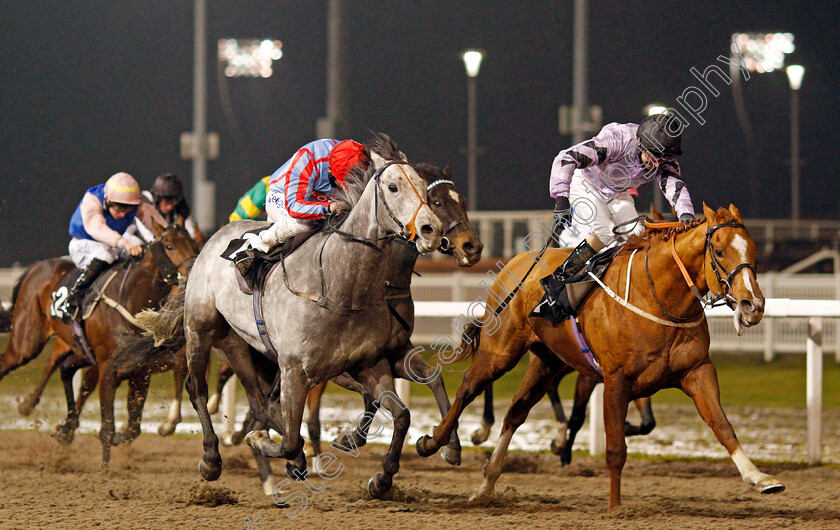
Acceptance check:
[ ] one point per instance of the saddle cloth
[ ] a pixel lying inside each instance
(91, 296)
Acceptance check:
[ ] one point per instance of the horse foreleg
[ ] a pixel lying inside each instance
(60, 351)
(583, 391)
(179, 373)
(647, 423)
(66, 430)
(539, 378)
(701, 385)
(616, 399)
(488, 418)
(289, 410)
(414, 368)
(223, 376)
(198, 356)
(486, 367)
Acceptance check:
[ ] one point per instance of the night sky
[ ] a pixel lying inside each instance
(95, 87)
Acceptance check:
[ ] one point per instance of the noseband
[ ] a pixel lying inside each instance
(444, 241)
(409, 228)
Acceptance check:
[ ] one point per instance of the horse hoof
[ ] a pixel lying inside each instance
(478, 437)
(557, 448)
(237, 437)
(379, 485)
(309, 449)
(124, 437)
(64, 435)
(213, 404)
(254, 438)
(452, 456)
(769, 485)
(208, 471)
(226, 439)
(165, 429)
(26, 407)
(426, 446)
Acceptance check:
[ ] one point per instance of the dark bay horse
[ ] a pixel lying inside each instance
(137, 284)
(638, 350)
(460, 241)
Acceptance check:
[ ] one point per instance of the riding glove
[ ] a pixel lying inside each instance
(687, 219)
(562, 211)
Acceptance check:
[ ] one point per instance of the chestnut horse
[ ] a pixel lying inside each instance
(136, 285)
(638, 351)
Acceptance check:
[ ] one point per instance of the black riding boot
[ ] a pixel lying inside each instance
(554, 282)
(76, 295)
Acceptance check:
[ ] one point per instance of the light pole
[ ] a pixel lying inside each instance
(472, 61)
(795, 73)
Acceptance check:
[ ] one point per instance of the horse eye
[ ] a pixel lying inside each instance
(392, 188)
(437, 204)
(170, 247)
(718, 253)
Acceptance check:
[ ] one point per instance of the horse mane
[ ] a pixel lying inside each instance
(430, 172)
(359, 175)
(653, 236)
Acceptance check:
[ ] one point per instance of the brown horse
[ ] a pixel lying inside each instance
(639, 352)
(137, 284)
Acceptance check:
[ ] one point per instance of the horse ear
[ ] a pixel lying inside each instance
(736, 213)
(447, 172)
(655, 214)
(708, 212)
(157, 228)
(377, 160)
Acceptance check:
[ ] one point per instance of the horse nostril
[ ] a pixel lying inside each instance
(468, 247)
(427, 229)
(747, 306)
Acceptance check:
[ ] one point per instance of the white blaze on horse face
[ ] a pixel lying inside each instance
(455, 196)
(740, 244)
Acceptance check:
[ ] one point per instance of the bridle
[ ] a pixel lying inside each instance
(445, 244)
(724, 287)
(169, 271)
(410, 228)
(407, 232)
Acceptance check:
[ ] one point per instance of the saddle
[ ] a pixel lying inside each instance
(574, 291)
(92, 295)
(262, 263)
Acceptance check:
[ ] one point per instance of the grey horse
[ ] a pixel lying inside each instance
(347, 328)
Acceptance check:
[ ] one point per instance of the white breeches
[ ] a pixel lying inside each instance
(284, 228)
(83, 251)
(594, 213)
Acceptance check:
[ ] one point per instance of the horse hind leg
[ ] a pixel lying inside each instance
(223, 376)
(60, 352)
(138, 388)
(701, 385)
(647, 423)
(179, 374)
(288, 409)
(537, 381)
(313, 422)
(198, 356)
(488, 418)
(66, 430)
(583, 391)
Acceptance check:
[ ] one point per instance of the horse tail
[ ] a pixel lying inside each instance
(140, 351)
(6, 314)
(167, 323)
(470, 339)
